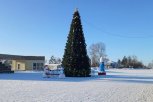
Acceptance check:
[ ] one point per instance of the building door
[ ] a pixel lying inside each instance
(18, 67)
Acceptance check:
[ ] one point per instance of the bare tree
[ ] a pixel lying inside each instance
(58, 60)
(54, 60)
(96, 51)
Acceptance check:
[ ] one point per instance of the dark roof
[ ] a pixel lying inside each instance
(19, 57)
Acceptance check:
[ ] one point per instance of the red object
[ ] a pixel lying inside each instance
(101, 73)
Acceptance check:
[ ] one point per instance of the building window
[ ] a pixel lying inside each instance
(34, 66)
(42, 65)
(38, 66)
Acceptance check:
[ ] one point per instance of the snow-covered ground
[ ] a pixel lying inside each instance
(117, 86)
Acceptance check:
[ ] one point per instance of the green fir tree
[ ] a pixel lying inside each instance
(75, 59)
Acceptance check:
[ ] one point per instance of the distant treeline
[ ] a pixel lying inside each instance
(130, 62)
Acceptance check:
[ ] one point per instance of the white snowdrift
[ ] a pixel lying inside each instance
(117, 86)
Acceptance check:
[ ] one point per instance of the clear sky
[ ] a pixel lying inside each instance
(41, 27)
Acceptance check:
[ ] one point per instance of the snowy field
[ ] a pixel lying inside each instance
(117, 86)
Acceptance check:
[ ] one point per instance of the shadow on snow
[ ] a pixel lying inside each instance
(114, 78)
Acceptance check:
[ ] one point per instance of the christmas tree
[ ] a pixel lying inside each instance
(75, 59)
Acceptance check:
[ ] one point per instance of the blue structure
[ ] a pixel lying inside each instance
(102, 67)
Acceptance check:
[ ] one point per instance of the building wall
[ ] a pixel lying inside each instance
(18, 65)
(27, 64)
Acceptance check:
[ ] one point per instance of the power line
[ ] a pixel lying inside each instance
(113, 34)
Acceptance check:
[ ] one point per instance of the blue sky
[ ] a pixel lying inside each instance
(41, 27)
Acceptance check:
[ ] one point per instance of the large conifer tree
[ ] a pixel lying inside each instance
(75, 60)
